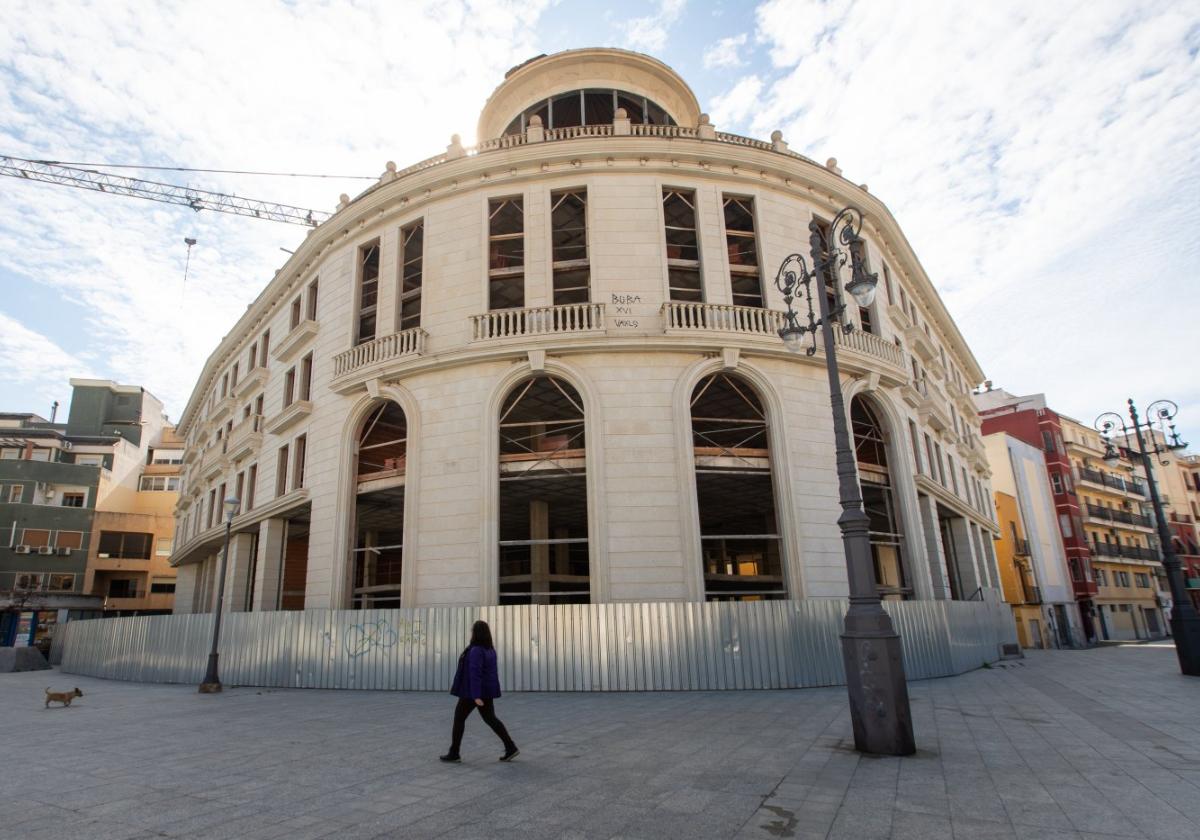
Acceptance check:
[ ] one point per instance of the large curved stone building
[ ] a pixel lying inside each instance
(546, 370)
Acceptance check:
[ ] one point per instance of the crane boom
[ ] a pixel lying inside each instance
(89, 179)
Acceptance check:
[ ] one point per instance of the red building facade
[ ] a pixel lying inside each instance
(1029, 420)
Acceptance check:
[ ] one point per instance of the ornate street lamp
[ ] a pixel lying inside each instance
(212, 683)
(1185, 623)
(871, 651)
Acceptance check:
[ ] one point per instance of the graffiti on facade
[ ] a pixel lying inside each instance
(369, 635)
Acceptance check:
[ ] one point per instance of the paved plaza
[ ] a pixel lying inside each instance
(1080, 744)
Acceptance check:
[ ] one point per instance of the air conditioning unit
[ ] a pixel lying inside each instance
(64, 551)
(45, 549)
(23, 549)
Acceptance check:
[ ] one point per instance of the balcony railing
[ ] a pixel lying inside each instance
(245, 436)
(1021, 548)
(1123, 516)
(540, 320)
(406, 343)
(1131, 552)
(1112, 481)
(749, 320)
(755, 320)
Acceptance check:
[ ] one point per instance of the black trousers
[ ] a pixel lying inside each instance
(463, 710)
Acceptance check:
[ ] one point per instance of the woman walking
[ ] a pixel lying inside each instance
(477, 684)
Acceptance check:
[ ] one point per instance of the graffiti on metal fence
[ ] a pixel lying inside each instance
(365, 637)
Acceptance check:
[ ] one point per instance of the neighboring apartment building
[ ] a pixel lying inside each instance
(1030, 420)
(548, 370)
(1029, 551)
(76, 497)
(1177, 474)
(1131, 585)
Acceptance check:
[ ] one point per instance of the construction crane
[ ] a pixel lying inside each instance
(89, 179)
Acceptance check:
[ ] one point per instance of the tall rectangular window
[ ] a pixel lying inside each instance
(506, 253)
(887, 284)
(297, 310)
(829, 271)
(289, 387)
(368, 292)
(1047, 441)
(233, 376)
(251, 485)
(252, 358)
(412, 241)
(306, 365)
(858, 253)
(683, 248)
(742, 246)
(568, 246)
(281, 471)
(298, 463)
(239, 487)
(311, 303)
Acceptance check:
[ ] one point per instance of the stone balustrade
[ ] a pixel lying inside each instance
(540, 320)
(406, 343)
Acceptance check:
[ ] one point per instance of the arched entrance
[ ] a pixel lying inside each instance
(879, 501)
(544, 555)
(739, 532)
(380, 472)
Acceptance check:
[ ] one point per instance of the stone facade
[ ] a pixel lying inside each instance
(632, 354)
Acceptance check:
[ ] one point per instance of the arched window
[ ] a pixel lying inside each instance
(543, 550)
(380, 470)
(879, 502)
(739, 534)
(590, 107)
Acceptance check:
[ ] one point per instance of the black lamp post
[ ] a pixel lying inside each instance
(212, 683)
(871, 651)
(1185, 623)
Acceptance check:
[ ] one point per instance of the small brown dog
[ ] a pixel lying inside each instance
(64, 697)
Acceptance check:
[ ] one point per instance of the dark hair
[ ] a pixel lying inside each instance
(481, 635)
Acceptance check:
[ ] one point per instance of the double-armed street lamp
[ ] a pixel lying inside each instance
(212, 683)
(871, 651)
(1185, 622)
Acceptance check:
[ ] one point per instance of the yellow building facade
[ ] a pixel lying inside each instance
(1120, 532)
(1016, 575)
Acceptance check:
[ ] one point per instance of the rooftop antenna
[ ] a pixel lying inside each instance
(189, 242)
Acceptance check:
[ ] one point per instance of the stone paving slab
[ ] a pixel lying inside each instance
(1100, 744)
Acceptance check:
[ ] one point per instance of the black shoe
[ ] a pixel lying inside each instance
(510, 754)
(450, 758)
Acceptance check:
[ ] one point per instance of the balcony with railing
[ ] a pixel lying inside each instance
(1111, 482)
(1128, 552)
(384, 349)
(571, 318)
(1021, 548)
(690, 318)
(1122, 517)
(245, 437)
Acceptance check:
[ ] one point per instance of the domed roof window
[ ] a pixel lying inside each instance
(592, 106)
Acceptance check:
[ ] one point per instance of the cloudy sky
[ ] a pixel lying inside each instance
(1041, 158)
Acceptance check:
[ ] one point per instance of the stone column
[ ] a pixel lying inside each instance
(270, 565)
(964, 555)
(185, 588)
(237, 573)
(936, 558)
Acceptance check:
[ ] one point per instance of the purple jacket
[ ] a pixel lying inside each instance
(477, 676)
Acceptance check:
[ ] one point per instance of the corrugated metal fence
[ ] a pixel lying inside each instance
(586, 647)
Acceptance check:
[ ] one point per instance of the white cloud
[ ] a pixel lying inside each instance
(305, 87)
(735, 105)
(649, 33)
(38, 365)
(1041, 158)
(725, 53)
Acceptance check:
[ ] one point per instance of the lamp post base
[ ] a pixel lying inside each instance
(879, 709)
(212, 683)
(1186, 633)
